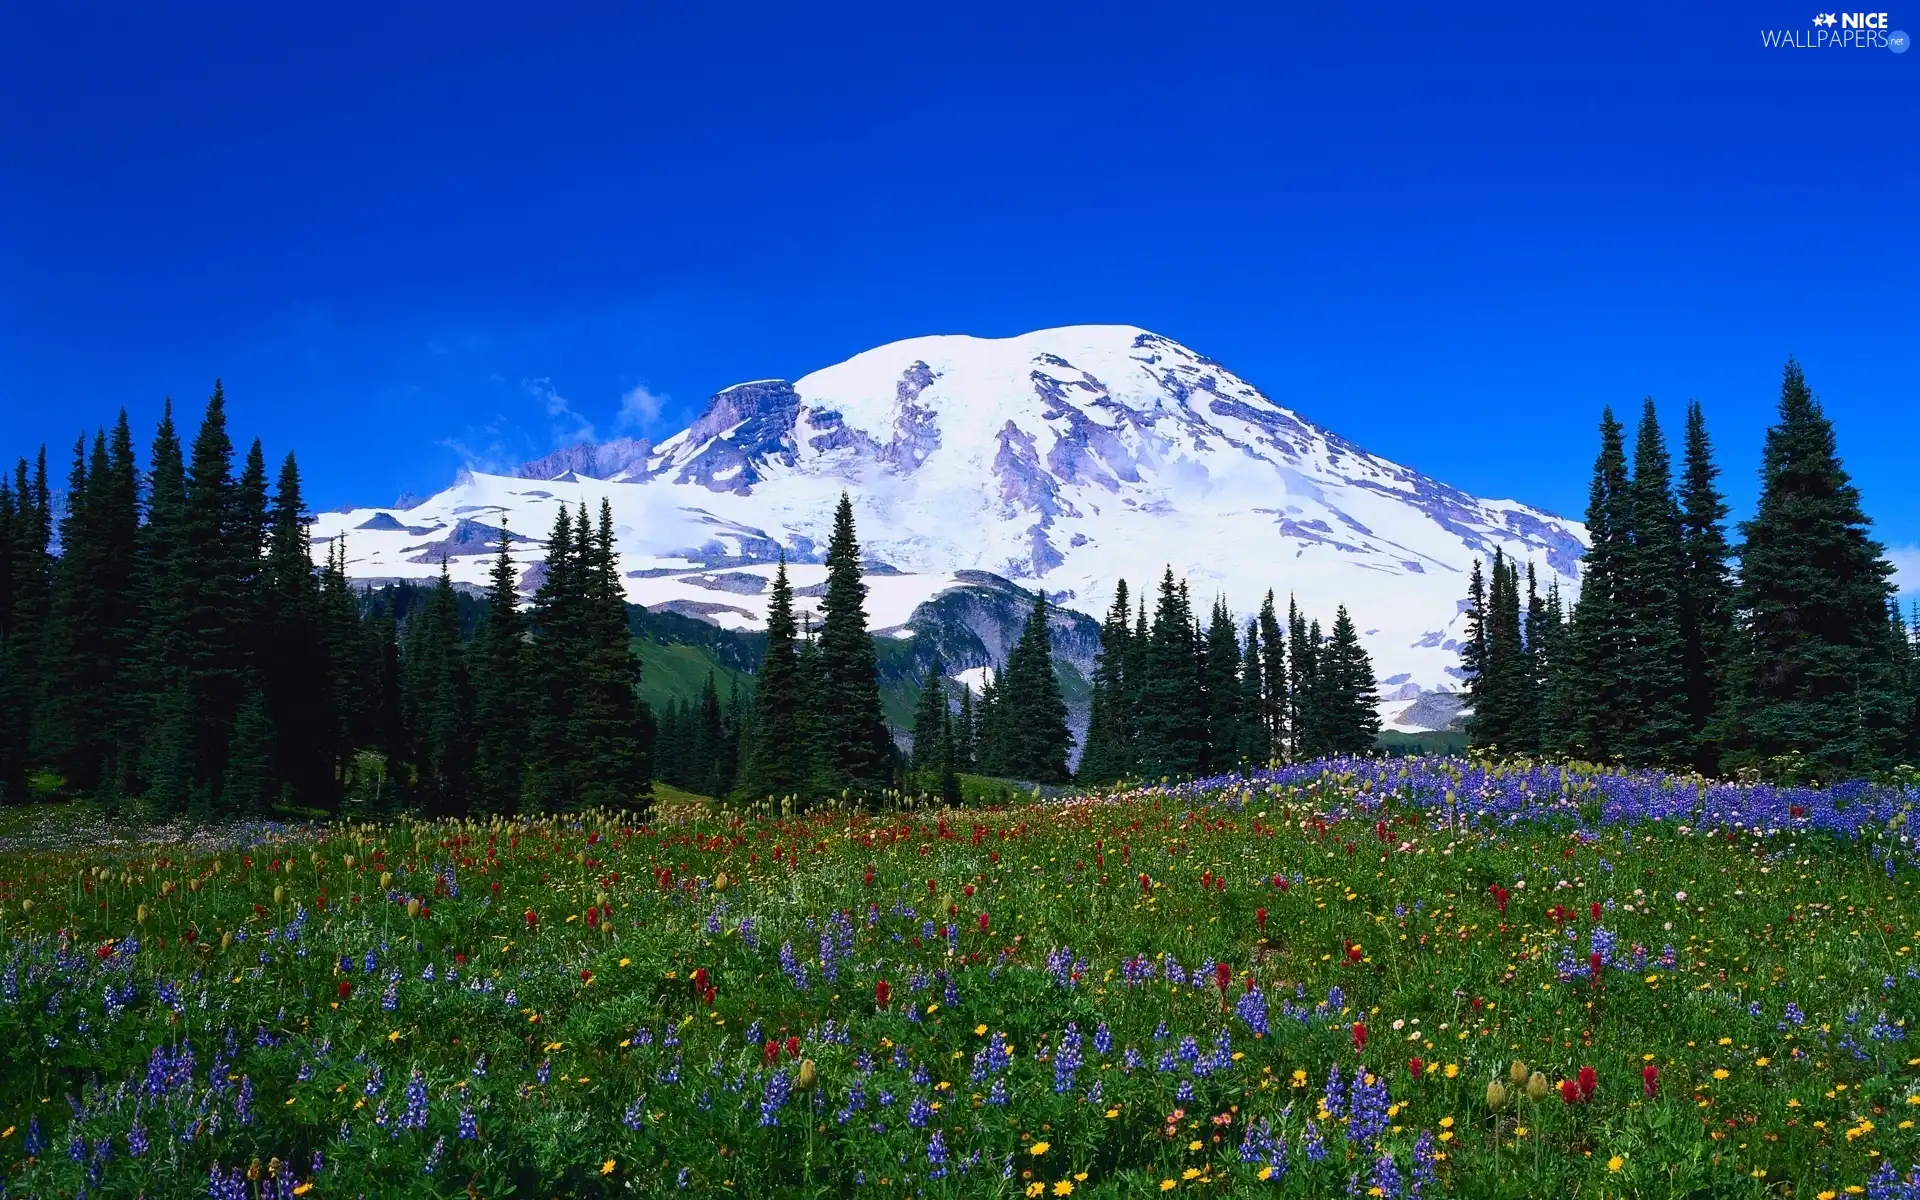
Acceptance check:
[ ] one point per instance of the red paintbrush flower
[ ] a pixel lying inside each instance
(533, 918)
(1650, 1079)
(1416, 1066)
(1359, 1036)
(882, 992)
(1589, 1082)
(793, 1047)
(1222, 976)
(1569, 1092)
(346, 989)
(1594, 910)
(1260, 918)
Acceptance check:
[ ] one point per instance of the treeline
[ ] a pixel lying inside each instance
(167, 639)
(1172, 697)
(1784, 655)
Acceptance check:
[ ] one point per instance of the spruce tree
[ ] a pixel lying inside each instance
(1530, 683)
(501, 697)
(605, 732)
(1553, 678)
(1306, 716)
(160, 602)
(438, 703)
(1274, 683)
(821, 777)
(929, 722)
(15, 751)
(860, 751)
(216, 606)
(1256, 738)
(1814, 592)
(963, 733)
(559, 655)
(776, 765)
(1224, 698)
(1171, 696)
(29, 611)
(1652, 579)
(1482, 684)
(1706, 592)
(1104, 759)
(1600, 639)
(949, 773)
(1036, 740)
(75, 663)
(989, 741)
(291, 650)
(1346, 672)
(249, 788)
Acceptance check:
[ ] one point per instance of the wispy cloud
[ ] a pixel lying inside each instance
(640, 408)
(568, 427)
(1906, 569)
(488, 449)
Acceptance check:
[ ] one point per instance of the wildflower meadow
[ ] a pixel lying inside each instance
(1388, 978)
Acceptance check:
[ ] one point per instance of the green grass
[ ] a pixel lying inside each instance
(679, 672)
(612, 1072)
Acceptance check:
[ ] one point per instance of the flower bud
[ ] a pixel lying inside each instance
(721, 883)
(226, 940)
(279, 895)
(386, 879)
(1517, 1073)
(413, 907)
(26, 906)
(1537, 1086)
(807, 1076)
(140, 915)
(1496, 1096)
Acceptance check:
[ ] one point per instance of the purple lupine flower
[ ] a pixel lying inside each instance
(936, 1156)
(1252, 1008)
(1386, 1177)
(416, 1095)
(1368, 1098)
(1423, 1160)
(779, 1084)
(1067, 1061)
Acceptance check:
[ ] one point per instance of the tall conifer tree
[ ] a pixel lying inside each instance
(1652, 581)
(776, 764)
(1814, 593)
(1706, 592)
(860, 752)
(1600, 640)
(501, 697)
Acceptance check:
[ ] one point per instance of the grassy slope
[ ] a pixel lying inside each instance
(678, 672)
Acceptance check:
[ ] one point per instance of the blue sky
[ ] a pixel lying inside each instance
(405, 235)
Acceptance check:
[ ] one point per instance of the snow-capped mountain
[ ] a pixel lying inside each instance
(1066, 458)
